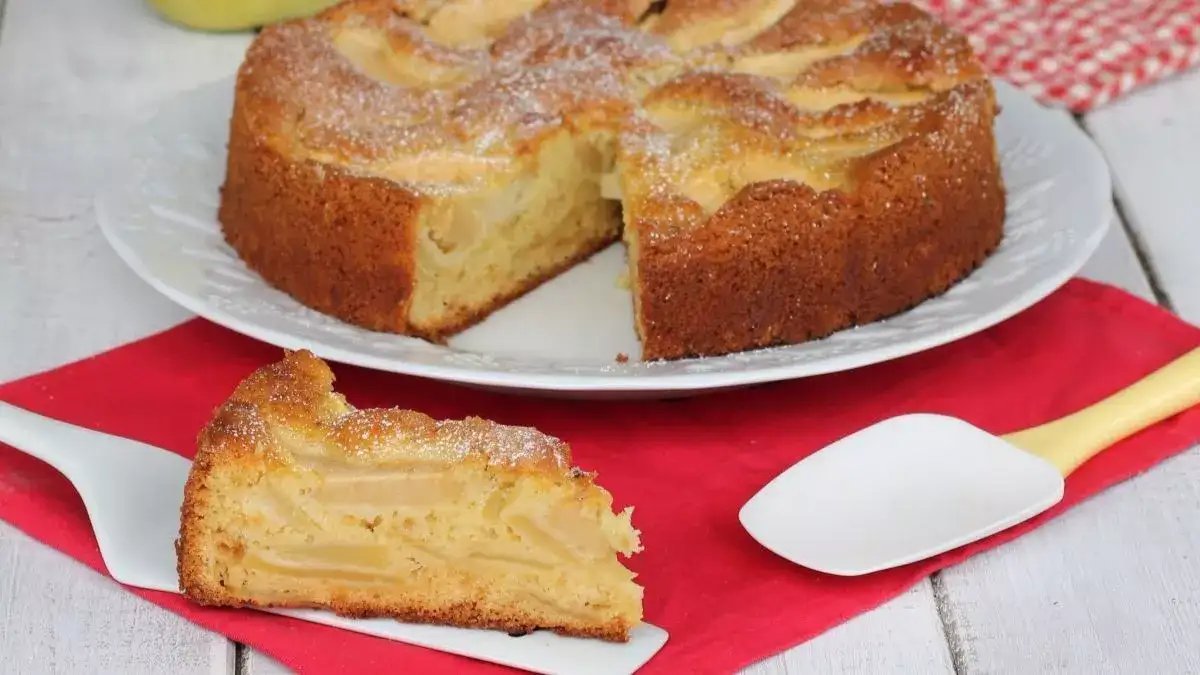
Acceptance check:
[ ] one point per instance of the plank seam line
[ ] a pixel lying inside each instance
(1140, 250)
(241, 658)
(3, 13)
(955, 644)
(1142, 253)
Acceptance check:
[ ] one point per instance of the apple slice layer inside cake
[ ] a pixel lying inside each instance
(297, 499)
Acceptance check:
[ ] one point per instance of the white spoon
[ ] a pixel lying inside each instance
(914, 486)
(133, 491)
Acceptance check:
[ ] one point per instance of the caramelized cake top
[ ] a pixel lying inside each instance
(297, 499)
(696, 98)
(288, 410)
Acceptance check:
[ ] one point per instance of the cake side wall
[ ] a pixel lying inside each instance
(782, 264)
(340, 244)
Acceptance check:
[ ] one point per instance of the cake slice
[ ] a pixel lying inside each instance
(297, 499)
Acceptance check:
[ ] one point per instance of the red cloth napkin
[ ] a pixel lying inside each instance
(687, 465)
(1079, 54)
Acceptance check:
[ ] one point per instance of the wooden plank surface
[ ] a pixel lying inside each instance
(1110, 587)
(73, 78)
(58, 617)
(74, 300)
(903, 636)
(1152, 142)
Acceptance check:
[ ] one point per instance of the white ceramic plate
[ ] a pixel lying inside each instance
(564, 337)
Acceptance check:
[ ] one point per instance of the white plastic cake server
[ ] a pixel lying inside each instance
(914, 486)
(133, 491)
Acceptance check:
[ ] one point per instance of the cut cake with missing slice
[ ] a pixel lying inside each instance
(297, 499)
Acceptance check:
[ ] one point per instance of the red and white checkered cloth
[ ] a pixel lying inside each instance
(1078, 54)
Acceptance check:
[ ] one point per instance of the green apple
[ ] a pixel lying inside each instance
(234, 15)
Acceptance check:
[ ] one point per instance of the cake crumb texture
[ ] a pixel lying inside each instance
(297, 499)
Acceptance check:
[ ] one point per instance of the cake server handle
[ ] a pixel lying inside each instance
(132, 491)
(61, 445)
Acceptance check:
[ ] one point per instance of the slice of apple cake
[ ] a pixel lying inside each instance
(297, 499)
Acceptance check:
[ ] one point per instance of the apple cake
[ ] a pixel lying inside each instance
(296, 499)
(778, 170)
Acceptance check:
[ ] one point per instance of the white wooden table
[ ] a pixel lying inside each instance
(1109, 587)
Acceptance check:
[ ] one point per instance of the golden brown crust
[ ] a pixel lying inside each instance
(465, 615)
(816, 22)
(907, 49)
(784, 264)
(885, 116)
(258, 428)
(296, 396)
(338, 243)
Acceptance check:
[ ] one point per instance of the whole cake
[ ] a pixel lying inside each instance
(777, 169)
(297, 499)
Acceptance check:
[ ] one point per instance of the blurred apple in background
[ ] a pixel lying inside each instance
(234, 15)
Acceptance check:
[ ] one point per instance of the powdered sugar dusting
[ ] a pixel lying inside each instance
(554, 64)
(566, 62)
(385, 435)
(331, 105)
(569, 64)
(289, 408)
(505, 446)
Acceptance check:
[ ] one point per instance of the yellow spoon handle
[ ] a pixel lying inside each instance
(1072, 440)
